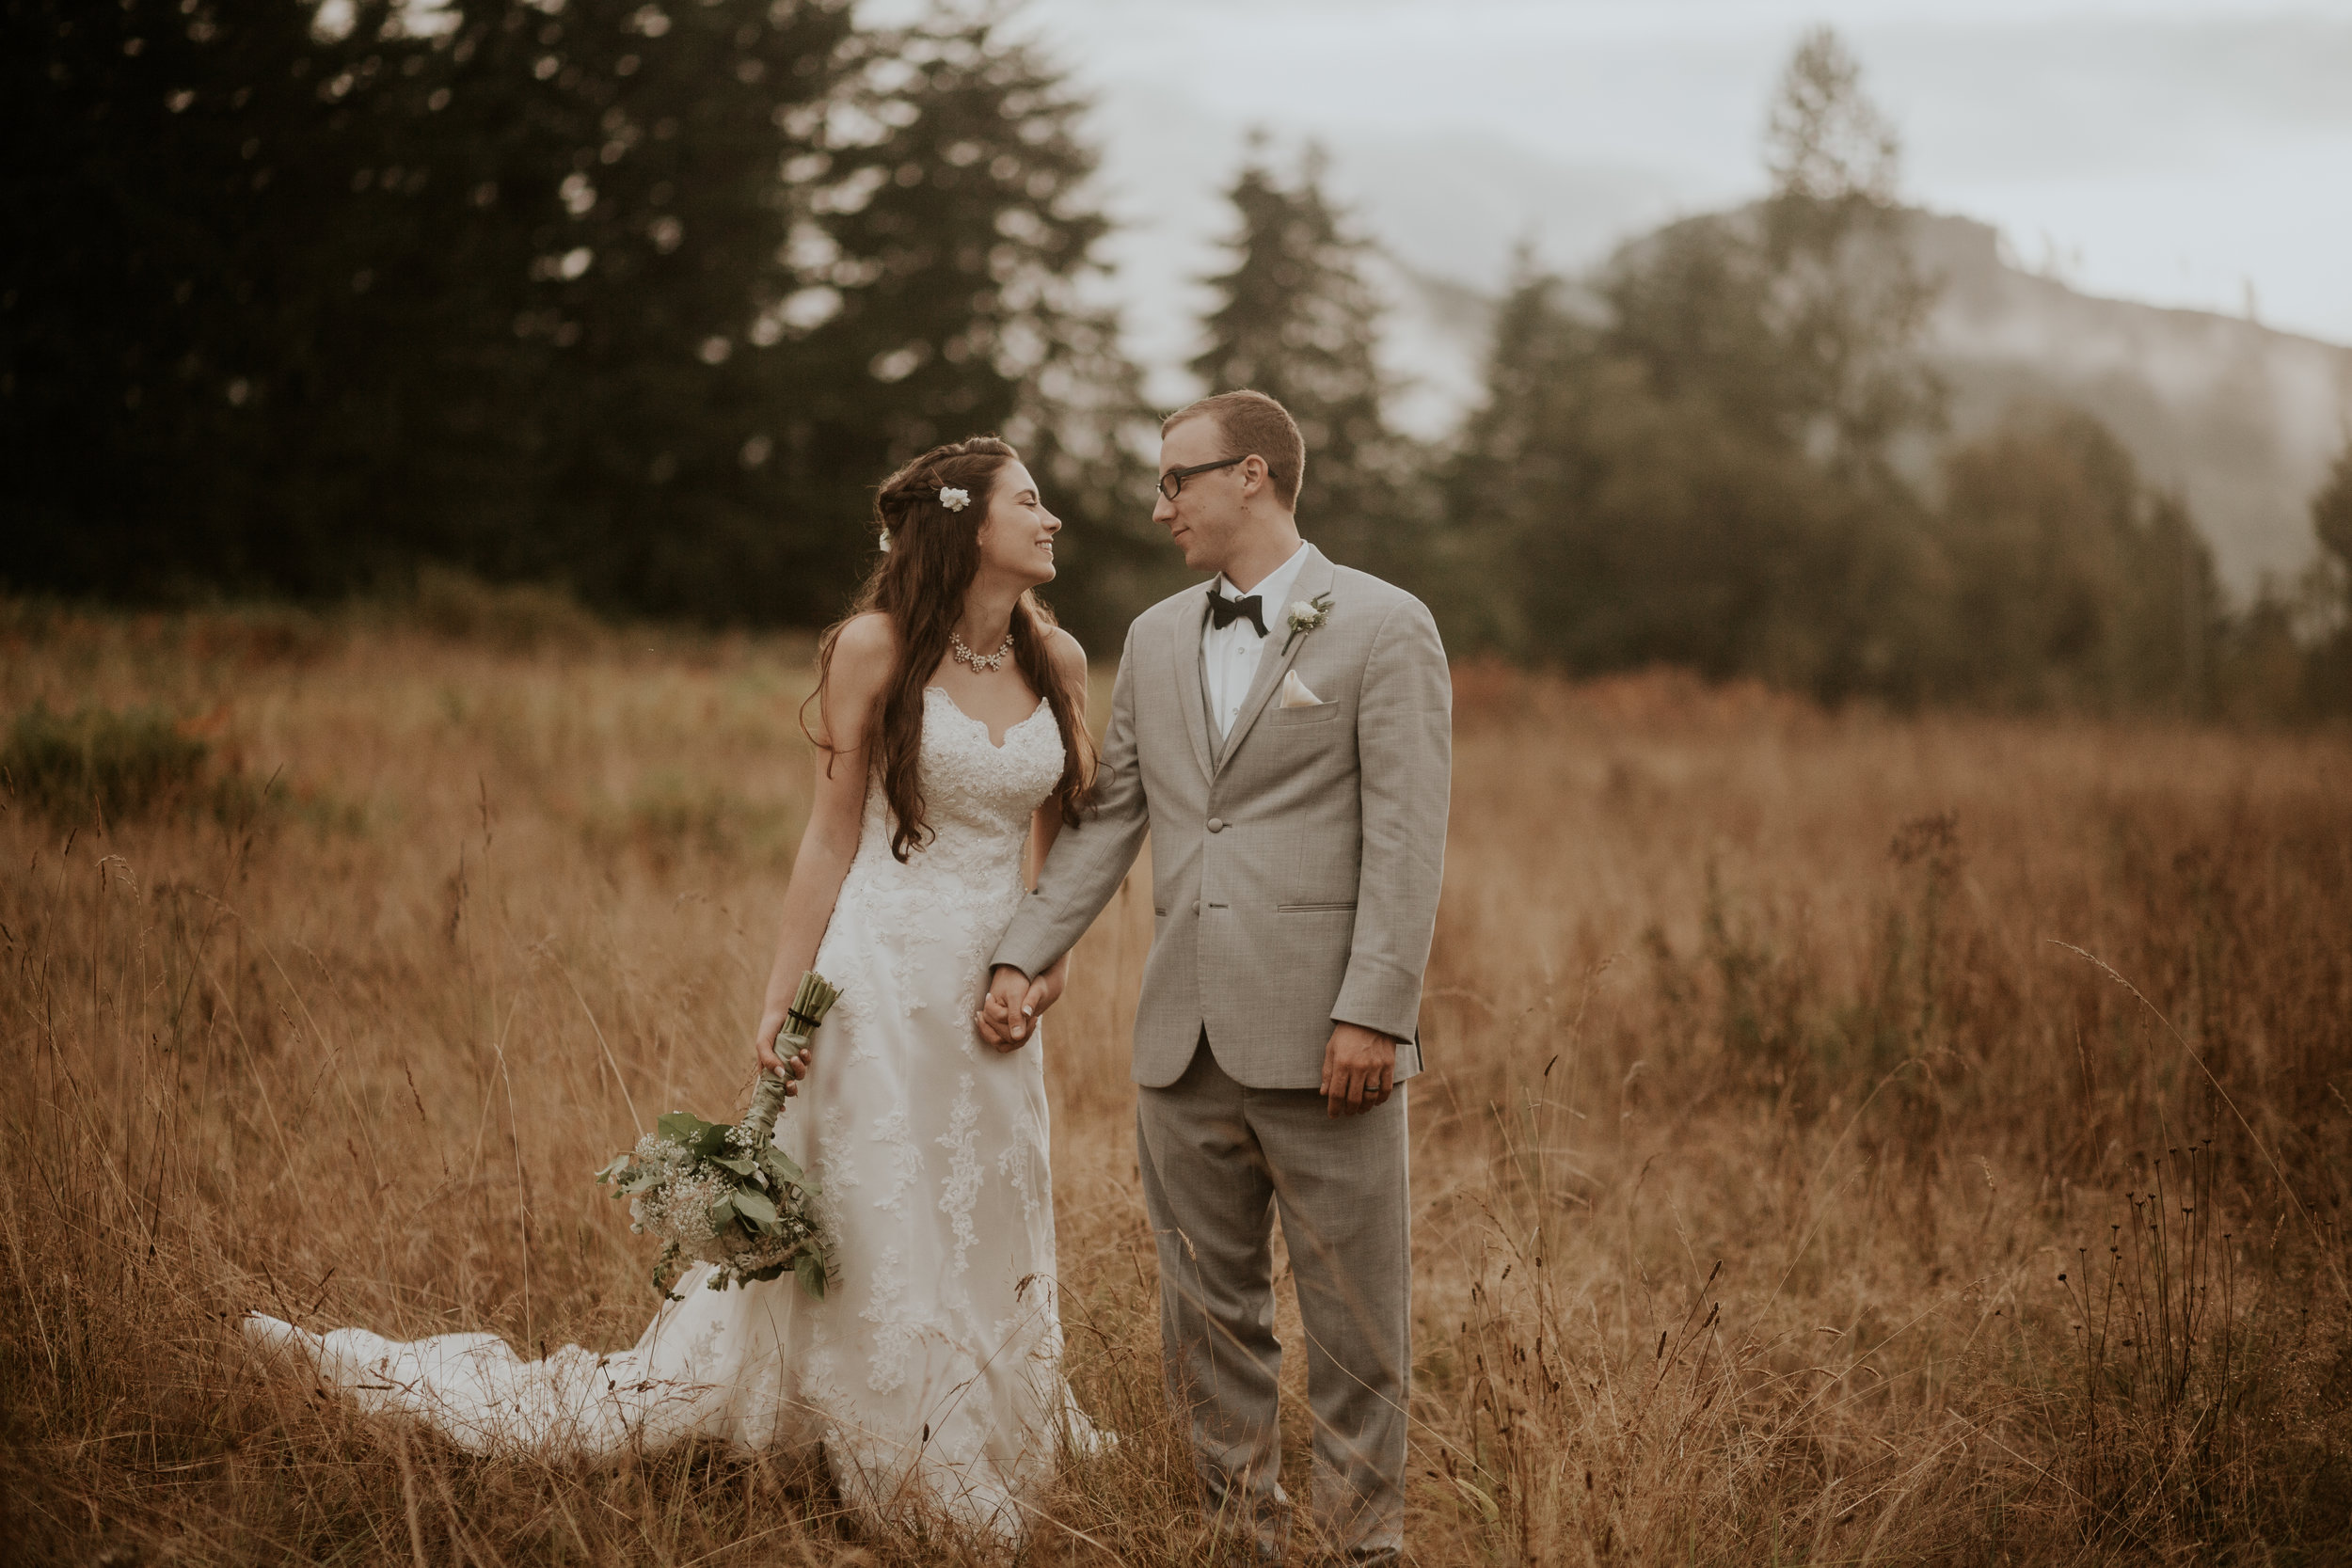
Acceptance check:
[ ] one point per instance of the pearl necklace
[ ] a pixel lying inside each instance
(982, 664)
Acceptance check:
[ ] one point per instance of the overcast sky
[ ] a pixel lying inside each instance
(2178, 151)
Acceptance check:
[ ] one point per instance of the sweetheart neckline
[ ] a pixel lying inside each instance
(993, 744)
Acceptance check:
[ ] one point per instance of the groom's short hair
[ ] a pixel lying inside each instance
(1254, 422)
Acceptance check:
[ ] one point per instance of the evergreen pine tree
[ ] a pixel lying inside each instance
(1297, 320)
(2327, 667)
(2071, 585)
(1641, 491)
(1700, 474)
(642, 297)
(175, 281)
(939, 293)
(2331, 515)
(1846, 301)
(611, 191)
(1512, 481)
(1798, 321)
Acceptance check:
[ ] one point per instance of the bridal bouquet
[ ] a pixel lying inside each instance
(728, 1195)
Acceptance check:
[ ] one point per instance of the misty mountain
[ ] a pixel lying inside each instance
(2239, 418)
(2242, 419)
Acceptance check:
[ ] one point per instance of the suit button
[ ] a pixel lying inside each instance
(1196, 906)
(1217, 824)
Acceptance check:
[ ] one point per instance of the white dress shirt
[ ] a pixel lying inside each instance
(1229, 652)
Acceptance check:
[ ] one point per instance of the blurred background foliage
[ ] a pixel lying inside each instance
(637, 301)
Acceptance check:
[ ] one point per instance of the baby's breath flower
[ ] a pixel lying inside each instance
(750, 1224)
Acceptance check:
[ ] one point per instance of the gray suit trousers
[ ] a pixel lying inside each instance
(1217, 1160)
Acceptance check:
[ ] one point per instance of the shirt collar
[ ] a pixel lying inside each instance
(1277, 583)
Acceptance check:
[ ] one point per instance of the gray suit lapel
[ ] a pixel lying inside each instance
(1316, 575)
(1191, 691)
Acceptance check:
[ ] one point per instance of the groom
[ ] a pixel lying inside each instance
(1286, 738)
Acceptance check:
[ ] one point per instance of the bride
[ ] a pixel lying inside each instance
(951, 744)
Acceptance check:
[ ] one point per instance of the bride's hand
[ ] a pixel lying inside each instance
(1000, 1008)
(1015, 1003)
(790, 1068)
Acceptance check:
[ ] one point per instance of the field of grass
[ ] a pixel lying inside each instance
(1847, 1138)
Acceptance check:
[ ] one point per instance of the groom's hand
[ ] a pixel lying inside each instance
(1358, 1070)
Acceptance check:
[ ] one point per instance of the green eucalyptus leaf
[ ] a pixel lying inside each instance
(688, 1131)
(810, 1270)
(739, 1163)
(679, 1127)
(754, 1206)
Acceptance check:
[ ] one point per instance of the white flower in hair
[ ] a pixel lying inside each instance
(885, 539)
(954, 500)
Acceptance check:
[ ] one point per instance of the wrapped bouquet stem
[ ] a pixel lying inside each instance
(727, 1196)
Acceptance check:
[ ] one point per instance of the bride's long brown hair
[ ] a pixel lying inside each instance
(931, 557)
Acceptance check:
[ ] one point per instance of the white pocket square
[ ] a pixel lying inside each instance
(1295, 692)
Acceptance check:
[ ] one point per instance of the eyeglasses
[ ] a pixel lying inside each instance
(1172, 482)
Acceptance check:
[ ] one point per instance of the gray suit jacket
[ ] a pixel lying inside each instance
(1296, 869)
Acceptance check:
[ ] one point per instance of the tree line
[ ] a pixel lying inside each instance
(641, 299)
(1724, 451)
(636, 298)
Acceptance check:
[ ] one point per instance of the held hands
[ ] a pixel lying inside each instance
(1015, 1003)
(1359, 1070)
(790, 1068)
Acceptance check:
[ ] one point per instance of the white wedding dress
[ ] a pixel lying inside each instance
(932, 1370)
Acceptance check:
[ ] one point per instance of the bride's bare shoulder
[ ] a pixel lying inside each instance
(866, 645)
(1068, 658)
(859, 664)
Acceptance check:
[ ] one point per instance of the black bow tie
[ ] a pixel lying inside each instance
(1225, 612)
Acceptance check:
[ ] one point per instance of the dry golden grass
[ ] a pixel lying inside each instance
(1784, 1184)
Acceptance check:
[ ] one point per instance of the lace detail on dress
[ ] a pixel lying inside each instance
(906, 1161)
(894, 1336)
(832, 1170)
(1012, 1163)
(951, 899)
(961, 1188)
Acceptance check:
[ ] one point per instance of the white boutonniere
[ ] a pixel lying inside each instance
(1306, 615)
(953, 498)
